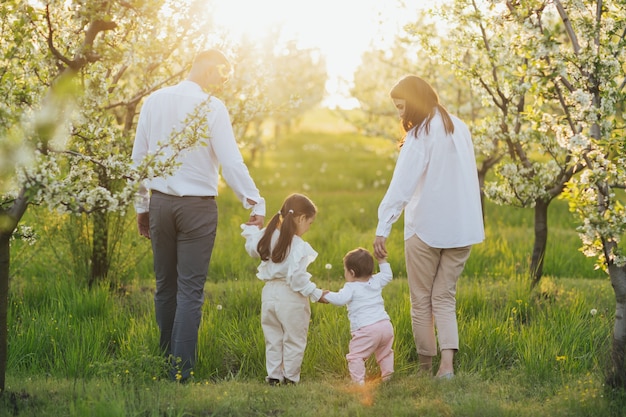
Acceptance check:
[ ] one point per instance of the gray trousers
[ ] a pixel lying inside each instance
(182, 231)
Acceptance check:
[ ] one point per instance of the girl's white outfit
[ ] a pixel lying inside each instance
(285, 311)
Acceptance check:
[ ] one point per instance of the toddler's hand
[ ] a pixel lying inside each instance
(381, 259)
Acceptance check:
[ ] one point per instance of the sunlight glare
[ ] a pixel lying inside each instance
(341, 29)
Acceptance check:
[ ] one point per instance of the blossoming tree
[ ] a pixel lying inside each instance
(381, 68)
(555, 72)
(498, 59)
(590, 86)
(74, 74)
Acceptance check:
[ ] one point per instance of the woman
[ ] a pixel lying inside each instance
(435, 183)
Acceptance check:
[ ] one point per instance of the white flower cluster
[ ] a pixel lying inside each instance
(26, 234)
(522, 186)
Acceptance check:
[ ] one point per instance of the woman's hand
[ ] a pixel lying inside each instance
(380, 251)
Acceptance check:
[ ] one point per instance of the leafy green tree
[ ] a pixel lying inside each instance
(276, 82)
(297, 86)
(378, 72)
(40, 92)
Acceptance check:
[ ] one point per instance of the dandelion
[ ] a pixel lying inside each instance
(561, 358)
(593, 312)
(328, 266)
(219, 307)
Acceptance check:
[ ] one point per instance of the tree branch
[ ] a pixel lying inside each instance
(568, 26)
(85, 55)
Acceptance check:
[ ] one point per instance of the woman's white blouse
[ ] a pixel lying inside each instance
(293, 269)
(435, 182)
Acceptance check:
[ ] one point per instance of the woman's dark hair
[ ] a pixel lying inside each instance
(294, 206)
(360, 261)
(421, 104)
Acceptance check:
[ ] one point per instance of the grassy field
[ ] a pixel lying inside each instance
(75, 351)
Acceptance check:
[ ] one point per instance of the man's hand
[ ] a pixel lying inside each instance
(143, 223)
(255, 219)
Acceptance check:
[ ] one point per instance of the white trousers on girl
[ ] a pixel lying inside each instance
(285, 316)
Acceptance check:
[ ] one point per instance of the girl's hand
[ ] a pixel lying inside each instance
(256, 220)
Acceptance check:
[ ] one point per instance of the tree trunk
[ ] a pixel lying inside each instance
(541, 241)
(617, 374)
(100, 241)
(5, 256)
(99, 248)
(8, 222)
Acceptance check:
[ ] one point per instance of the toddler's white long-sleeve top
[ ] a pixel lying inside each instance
(364, 299)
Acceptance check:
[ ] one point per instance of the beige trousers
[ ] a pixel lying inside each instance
(433, 274)
(285, 316)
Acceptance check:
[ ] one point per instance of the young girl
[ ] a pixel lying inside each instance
(285, 311)
(372, 332)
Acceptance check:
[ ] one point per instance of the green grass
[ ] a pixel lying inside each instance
(75, 351)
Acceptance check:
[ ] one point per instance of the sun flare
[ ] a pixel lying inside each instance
(341, 29)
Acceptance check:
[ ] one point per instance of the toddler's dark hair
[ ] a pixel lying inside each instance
(360, 261)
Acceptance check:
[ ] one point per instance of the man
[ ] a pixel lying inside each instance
(179, 212)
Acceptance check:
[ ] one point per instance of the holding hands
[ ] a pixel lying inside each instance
(256, 220)
(380, 251)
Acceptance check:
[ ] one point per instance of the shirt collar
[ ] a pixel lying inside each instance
(191, 84)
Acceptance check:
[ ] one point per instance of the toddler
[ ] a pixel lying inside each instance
(372, 332)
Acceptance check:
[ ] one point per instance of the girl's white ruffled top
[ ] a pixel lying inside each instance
(293, 269)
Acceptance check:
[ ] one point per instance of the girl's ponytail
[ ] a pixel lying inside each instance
(264, 247)
(294, 206)
(288, 229)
